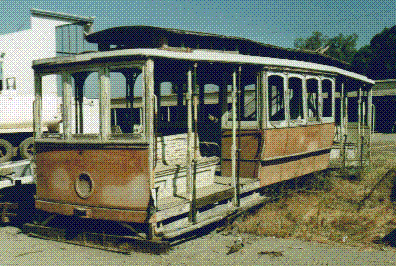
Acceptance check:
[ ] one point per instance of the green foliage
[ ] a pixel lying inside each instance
(361, 62)
(340, 47)
(383, 46)
(314, 42)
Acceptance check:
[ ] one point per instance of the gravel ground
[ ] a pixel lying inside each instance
(211, 249)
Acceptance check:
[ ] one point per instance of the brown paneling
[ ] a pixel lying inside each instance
(271, 174)
(303, 142)
(294, 140)
(286, 153)
(251, 146)
(120, 176)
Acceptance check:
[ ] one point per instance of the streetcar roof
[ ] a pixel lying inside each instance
(195, 55)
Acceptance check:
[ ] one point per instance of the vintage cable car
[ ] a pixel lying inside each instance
(190, 126)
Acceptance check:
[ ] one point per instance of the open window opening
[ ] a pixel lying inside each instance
(85, 97)
(313, 99)
(126, 102)
(51, 106)
(170, 87)
(296, 99)
(247, 83)
(276, 104)
(327, 96)
(11, 83)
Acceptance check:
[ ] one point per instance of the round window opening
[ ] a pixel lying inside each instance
(84, 186)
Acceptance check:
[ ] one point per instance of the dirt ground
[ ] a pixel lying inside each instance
(210, 249)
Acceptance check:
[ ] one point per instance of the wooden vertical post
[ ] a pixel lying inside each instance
(333, 92)
(342, 126)
(370, 119)
(264, 100)
(286, 97)
(148, 74)
(37, 106)
(234, 145)
(189, 135)
(360, 124)
(305, 99)
(149, 126)
(320, 100)
(193, 171)
(67, 105)
(104, 103)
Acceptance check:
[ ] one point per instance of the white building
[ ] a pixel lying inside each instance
(51, 34)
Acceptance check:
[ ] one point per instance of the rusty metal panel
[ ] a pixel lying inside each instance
(120, 177)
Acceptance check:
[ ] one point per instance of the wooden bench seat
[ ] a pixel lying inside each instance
(171, 166)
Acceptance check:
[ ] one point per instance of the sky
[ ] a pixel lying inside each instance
(272, 22)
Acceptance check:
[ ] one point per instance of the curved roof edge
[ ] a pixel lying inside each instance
(199, 55)
(141, 36)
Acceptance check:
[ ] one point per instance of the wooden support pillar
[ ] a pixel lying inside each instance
(342, 126)
(286, 97)
(333, 92)
(370, 120)
(189, 135)
(67, 105)
(234, 140)
(149, 106)
(264, 100)
(360, 125)
(104, 104)
(305, 98)
(320, 100)
(37, 106)
(192, 141)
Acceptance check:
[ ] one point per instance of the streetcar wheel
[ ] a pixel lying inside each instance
(26, 148)
(6, 151)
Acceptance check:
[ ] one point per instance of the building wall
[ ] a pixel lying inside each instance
(384, 100)
(21, 48)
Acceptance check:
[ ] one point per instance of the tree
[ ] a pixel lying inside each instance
(313, 43)
(340, 47)
(383, 59)
(361, 62)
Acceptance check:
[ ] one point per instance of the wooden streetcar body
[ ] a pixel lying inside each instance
(182, 151)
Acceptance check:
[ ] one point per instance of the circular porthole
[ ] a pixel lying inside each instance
(84, 186)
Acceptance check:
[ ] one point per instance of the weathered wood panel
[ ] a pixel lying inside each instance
(120, 177)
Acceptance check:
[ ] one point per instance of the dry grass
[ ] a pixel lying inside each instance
(357, 212)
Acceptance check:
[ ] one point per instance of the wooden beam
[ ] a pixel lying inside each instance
(67, 105)
(37, 106)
